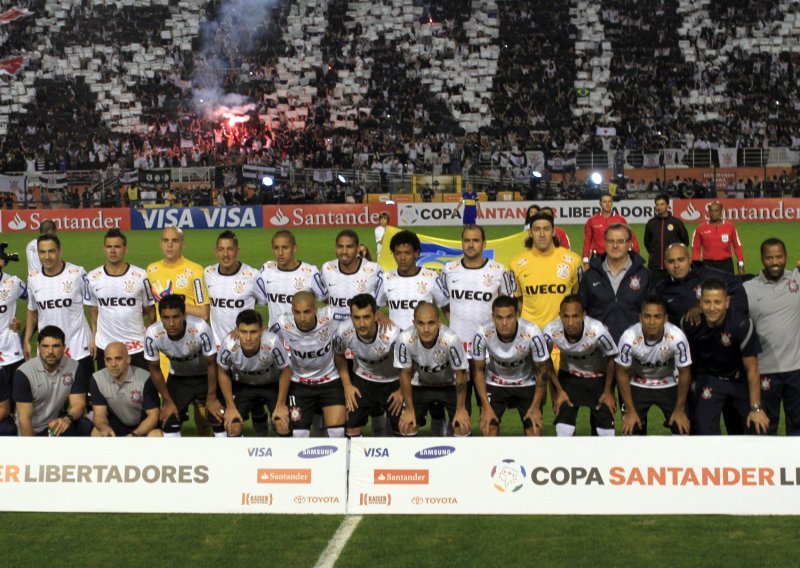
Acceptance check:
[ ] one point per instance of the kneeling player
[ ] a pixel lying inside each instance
(503, 354)
(585, 374)
(375, 381)
(653, 354)
(187, 343)
(315, 377)
(433, 368)
(249, 370)
(124, 400)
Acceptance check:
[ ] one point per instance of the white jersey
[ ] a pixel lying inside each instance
(59, 301)
(471, 292)
(433, 366)
(187, 355)
(311, 352)
(654, 365)
(403, 293)
(259, 369)
(281, 285)
(368, 279)
(380, 231)
(11, 290)
(373, 360)
(587, 357)
(120, 301)
(510, 363)
(32, 254)
(229, 295)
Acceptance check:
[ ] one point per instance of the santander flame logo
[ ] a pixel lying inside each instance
(691, 213)
(17, 223)
(279, 219)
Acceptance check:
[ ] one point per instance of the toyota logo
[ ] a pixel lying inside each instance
(417, 500)
(299, 499)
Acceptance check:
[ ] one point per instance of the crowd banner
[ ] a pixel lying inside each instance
(437, 252)
(237, 475)
(26, 221)
(513, 212)
(756, 210)
(337, 215)
(237, 217)
(576, 476)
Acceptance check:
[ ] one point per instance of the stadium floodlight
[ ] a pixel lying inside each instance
(596, 178)
(341, 178)
(536, 174)
(268, 181)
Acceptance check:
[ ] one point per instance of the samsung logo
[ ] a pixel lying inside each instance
(317, 452)
(434, 452)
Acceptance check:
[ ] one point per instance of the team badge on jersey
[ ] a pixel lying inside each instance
(238, 286)
(66, 286)
(725, 339)
(299, 283)
(488, 281)
(380, 350)
(766, 383)
(521, 349)
(361, 285)
(129, 286)
(706, 393)
(562, 270)
(794, 287)
(181, 281)
(439, 356)
(136, 396)
(324, 334)
(636, 283)
(68, 379)
(4, 294)
(422, 287)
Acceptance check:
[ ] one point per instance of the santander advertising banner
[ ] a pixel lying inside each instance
(24, 221)
(339, 215)
(742, 210)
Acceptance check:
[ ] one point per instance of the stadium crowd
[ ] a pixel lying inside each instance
(687, 331)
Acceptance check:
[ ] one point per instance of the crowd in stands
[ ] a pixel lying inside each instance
(418, 86)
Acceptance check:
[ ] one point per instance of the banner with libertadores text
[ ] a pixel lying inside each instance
(243, 475)
(583, 476)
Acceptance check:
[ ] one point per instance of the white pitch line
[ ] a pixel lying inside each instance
(338, 541)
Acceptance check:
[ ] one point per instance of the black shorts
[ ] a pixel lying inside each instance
(249, 397)
(502, 397)
(8, 427)
(710, 395)
(664, 398)
(118, 426)
(137, 360)
(584, 392)
(425, 397)
(87, 366)
(184, 391)
(372, 394)
(304, 400)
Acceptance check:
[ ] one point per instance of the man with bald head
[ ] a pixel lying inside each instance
(314, 378)
(124, 400)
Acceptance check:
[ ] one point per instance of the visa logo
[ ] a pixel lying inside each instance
(376, 452)
(259, 452)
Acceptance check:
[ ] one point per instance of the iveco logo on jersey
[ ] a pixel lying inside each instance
(317, 452)
(54, 304)
(434, 452)
(471, 295)
(227, 303)
(116, 302)
(312, 354)
(197, 217)
(546, 289)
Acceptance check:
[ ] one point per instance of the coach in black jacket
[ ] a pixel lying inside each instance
(661, 231)
(616, 283)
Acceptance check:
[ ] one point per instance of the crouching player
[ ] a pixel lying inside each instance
(510, 361)
(249, 369)
(433, 368)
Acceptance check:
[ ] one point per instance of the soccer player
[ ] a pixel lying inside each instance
(232, 286)
(660, 232)
(409, 284)
(712, 241)
(55, 297)
(124, 400)
(380, 232)
(725, 349)
(774, 298)
(119, 293)
(374, 380)
(471, 203)
(433, 368)
(48, 227)
(316, 376)
(510, 359)
(11, 353)
(286, 275)
(249, 368)
(187, 342)
(585, 373)
(595, 230)
(653, 368)
(349, 275)
(50, 390)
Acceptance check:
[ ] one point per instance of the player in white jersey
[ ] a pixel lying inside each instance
(249, 368)
(56, 296)
(433, 367)
(232, 286)
(585, 376)
(315, 377)
(349, 275)
(285, 276)
(374, 380)
(653, 368)
(188, 344)
(11, 352)
(380, 231)
(510, 359)
(119, 293)
(409, 284)
(48, 227)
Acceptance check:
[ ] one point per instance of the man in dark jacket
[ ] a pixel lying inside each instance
(660, 232)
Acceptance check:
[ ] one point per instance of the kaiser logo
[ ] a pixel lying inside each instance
(365, 499)
(254, 499)
(691, 213)
(401, 477)
(279, 219)
(17, 223)
(317, 452)
(434, 452)
(291, 476)
(508, 476)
